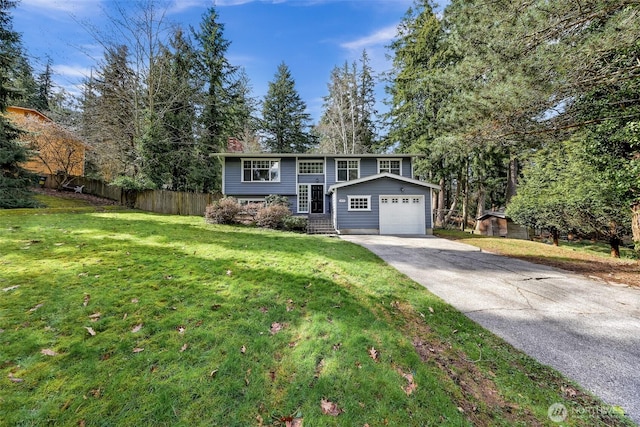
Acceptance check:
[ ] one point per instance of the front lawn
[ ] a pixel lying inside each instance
(129, 318)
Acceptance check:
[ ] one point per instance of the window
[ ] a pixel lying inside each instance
(303, 198)
(309, 167)
(347, 170)
(416, 200)
(389, 165)
(261, 170)
(244, 202)
(405, 200)
(359, 203)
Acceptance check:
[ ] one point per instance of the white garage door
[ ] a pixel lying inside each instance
(402, 214)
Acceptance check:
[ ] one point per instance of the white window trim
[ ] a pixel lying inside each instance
(350, 209)
(310, 161)
(270, 159)
(347, 160)
(391, 160)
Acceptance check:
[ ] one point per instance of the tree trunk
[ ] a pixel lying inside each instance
(465, 199)
(512, 179)
(635, 225)
(440, 211)
(447, 218)
(482, 199)
(555, 234)
(614, 242)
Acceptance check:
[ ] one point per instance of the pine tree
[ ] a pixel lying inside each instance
(217, 116)
(14, 180)
(285, 122)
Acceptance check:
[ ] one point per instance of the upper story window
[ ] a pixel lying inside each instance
(347, 170)
(260, 170)
(311, 167)
(389, 165)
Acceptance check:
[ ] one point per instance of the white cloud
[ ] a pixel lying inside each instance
(71, 72)
(65, 6)
(380, 37)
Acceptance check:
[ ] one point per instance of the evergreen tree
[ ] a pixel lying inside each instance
(285, 122)
(167, 144)
(217, 119)
(45, 88)
(110, 116)
(14, 180)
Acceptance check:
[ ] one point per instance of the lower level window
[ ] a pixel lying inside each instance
(359, 203)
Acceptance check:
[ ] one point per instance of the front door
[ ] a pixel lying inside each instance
(317, 199)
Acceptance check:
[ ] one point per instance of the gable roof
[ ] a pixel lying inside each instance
(383, 175)
(316, 155)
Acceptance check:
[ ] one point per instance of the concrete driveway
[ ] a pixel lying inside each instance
(586, 329)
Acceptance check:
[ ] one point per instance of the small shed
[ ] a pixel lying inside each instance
(497, 224)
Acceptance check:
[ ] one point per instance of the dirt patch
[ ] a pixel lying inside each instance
(473, 390)
(89, 198)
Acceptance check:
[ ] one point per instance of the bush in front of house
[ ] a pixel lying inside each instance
(276, 200)
(295, 223)
(272, 216)
(223, 211)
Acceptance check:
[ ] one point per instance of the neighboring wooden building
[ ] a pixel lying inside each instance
(57, 151)
(499, 225)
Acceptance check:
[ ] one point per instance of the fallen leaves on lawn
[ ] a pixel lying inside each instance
(276, 327)
(373, 353)
(243, 349)
(95, 316)
(138, 349)
(14, 379)
(91, 331)
(137, 328)
(411, 386)
(85, 302)
(184, 347)
(290, 306)
(35, 307)
(181, 329)
(48, 352)
(229, 272)
(330, 408)
(10, 288)
(246, 377)
(431, 310)
(135, 300)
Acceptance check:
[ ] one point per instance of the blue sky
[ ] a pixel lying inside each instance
(310, 36)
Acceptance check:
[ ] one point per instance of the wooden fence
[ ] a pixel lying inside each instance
(158, 201)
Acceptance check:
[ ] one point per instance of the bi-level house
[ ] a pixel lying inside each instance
(363, 194)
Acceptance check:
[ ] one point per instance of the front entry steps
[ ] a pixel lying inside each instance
(320, 224)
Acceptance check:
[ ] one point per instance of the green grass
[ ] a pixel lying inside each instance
(535, 248)
(207, 301)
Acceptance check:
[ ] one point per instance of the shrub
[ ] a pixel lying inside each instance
(276, 200)
(295, 223)
(272, 216)
(223, 211)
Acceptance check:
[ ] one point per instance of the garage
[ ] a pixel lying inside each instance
(402, 214)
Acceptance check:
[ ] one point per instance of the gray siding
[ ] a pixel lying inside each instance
(233, 185)
(310, 179)
(376, 188)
